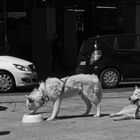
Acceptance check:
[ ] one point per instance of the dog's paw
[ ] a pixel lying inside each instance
(97, 115)
(50, 119)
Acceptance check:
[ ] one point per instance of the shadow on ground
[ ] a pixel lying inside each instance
(3, 108)
(4, 132)
(77, 116)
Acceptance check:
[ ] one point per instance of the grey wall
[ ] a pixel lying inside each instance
(70, 39)
(43, 26)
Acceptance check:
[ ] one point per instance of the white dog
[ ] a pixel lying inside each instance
(87, 87)
(132, 111)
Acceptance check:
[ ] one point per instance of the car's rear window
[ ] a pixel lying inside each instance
(87, 47)
(128, 43)
(106, 43)
(109, 41)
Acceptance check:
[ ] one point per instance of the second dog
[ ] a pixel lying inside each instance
(132, 111)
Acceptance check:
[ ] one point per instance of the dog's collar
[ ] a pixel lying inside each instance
(43, 99)
(64, 85)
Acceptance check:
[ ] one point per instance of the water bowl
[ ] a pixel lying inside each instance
(27, 118)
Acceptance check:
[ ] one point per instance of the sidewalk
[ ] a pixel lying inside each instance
(70, 125)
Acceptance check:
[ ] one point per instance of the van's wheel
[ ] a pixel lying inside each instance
(110, 78)
(7, 82)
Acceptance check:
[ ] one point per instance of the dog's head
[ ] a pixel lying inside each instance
(135, 97)
(51, 89)
(36, 99)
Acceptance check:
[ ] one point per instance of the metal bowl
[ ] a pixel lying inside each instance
(32, 118)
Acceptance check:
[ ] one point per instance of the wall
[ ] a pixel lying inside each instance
(43, 26)
(137, 29)
(70, 39)
(130, 11)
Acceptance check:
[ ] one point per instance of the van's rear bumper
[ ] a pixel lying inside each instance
(85, 70)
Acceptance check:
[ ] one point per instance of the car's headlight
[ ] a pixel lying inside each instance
(22, 68)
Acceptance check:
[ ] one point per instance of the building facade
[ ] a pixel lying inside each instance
(27, 27)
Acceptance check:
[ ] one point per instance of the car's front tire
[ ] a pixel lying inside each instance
(110, 78)
(7, 82)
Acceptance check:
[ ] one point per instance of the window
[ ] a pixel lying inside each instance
(127, 42)
(109, 41)
(15, 5)
(1, 7)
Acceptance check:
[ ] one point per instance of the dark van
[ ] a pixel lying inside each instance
(114, 58)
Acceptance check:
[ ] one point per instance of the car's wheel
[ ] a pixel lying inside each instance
(7, 82)
(110, 78)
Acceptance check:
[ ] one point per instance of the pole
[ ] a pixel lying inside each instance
(6, 46)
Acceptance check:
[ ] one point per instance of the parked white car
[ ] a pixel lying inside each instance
(16, 72)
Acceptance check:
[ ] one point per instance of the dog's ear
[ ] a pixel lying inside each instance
(41, 86)
(29, 99)
(136, 87)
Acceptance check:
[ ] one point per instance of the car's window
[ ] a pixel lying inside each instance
(87, 47)
(109, 41)
(127, 42)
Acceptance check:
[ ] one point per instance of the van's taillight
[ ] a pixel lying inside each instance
(96, 54)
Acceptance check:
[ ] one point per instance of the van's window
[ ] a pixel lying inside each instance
(87, 47)
(128, 42)
(109, 41)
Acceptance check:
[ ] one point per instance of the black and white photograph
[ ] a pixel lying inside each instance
(69, 69)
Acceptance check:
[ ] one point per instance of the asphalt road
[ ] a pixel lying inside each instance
(69, 125)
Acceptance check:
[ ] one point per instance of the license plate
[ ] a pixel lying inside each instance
(83, 63)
